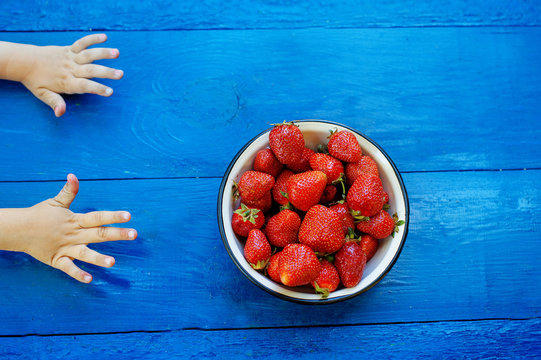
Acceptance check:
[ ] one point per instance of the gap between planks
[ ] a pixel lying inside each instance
(272, 327)
(253, 28)
(219, 177)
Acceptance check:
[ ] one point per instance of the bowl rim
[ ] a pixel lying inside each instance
(313, 301)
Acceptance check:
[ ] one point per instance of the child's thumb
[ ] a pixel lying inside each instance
(66, 196)
(54, 100)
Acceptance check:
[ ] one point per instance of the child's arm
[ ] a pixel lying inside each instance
(54, 235)
(48, 71)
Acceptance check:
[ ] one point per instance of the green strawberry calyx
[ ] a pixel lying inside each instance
(358, 217)
(235, 188)
(323, 291)
(285, 122)
(261, 264)
(322, 149)
(397, 223)
(247, 213)
(332, 132)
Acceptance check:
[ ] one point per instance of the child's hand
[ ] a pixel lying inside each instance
(55, 235)
(67, 70)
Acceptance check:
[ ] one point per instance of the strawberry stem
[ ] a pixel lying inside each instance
(323, 291)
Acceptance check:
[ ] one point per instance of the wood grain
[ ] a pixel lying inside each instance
(434, 99)
(517, 339)
(42, 15)
(472, 253)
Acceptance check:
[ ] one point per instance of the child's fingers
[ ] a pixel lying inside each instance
(83, 253)
(66, 196)
(54, 100)
(89, 55)
(97, 71)
(66, 265)
(100, 218)
(82, 86)
(107, 233)
(87, 41)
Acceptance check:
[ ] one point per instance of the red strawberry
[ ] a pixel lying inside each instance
(266, 162)
(332, 167)
(286, 142)
(344, 146)
(280, 186)
(305, 189)
(283, 228)
(365, 196)
(369, 244)
(246, 219)
(298, 265)
(328, 279)
(364, 165)
(257, 250)
(272, 267)
(385, 198)
(264, 204)
(342, 210)
(349, 262)
(329, 194)
(253, 185)
(381, 225)
(321, 229)
(303, 164)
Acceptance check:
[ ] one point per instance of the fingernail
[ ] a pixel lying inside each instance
(131, 234)
(118, 73)
(114, 52)
(87, 278)
(109, 261)
(108, 91)
(126, 215)
(103, 36)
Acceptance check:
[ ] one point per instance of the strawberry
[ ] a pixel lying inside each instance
(264, 204)
(332, 167)
(246, 219)
(364, 165)
(280, 187)
(266, 162)
(321, 229)
(328, 279)
(349, 262)
(305, 189)
(369, 244)
(286, 142)
(342, 210)
(381, 225)
(298, 265)
(385, 198)
(344, 146)
(283, 228)
(272, 267)
(329, 194)
(257, 249)
(365, 196)
(253, 185)
(303, 164)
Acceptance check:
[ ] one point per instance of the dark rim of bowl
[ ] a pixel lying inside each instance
(309, 301)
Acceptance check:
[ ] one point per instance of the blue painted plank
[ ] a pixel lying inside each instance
(190, 100)
(248, 14)
(472, 253)
(496, 339)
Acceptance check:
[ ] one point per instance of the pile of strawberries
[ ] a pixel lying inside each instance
(312, 218)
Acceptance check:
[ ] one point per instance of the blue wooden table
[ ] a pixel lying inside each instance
(451, 91)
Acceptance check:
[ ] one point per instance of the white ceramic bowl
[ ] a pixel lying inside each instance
(316, 132)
